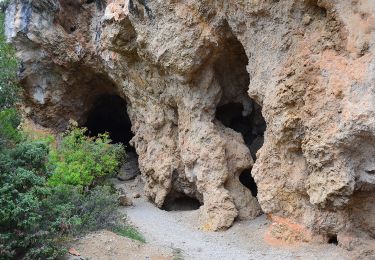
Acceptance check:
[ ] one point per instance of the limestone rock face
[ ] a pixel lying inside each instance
(197, 76)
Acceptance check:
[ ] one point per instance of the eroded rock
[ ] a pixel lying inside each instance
(309, 66)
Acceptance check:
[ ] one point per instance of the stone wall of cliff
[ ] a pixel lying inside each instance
(208, 83)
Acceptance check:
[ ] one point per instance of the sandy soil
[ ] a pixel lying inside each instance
(245, 240)
(174, 235)
(105, 245)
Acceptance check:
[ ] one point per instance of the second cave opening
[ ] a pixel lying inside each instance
(251, 126)
(236, 110)
(181, 202)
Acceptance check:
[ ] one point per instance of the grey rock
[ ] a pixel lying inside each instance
(130, 169)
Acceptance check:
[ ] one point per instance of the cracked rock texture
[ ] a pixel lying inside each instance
(308, 64)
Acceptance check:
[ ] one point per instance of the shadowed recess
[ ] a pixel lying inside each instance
(251, 125)
(248, 181)
(332, 239)
(109, 114)
(236, 110)
(181, 203)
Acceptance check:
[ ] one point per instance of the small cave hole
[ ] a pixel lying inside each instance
(109, 114)
(181, 203)
(332, 239)
(248, 181)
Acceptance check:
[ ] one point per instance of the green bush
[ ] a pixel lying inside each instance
(21, 194)
(79, 212)
(82, 160)
(35, 218)
(9, 121)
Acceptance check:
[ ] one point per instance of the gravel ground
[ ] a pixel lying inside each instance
(179, 230)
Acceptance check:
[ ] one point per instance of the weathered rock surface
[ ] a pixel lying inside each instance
(185, 69)
(130, 169)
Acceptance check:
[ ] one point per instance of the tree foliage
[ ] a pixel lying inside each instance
(9, 121)
(9, 89)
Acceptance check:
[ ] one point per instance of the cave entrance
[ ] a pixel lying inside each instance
(252, 127)
(109, 114)
(236, 110)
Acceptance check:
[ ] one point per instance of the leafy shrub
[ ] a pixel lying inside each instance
(9, 121)
(80, 212)
(82, 160)
(21, 194)
(35, 217)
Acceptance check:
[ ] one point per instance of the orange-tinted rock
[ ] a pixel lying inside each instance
(310, 65)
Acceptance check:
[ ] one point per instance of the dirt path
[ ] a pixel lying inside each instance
(105, 245)
(178, 230)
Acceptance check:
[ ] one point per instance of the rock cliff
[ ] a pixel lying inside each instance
(218, 92)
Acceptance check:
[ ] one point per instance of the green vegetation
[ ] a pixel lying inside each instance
(129, 232)
(9, 90)
(84, 161)
(50, 192)
(9, 120)
(37, 218)
(34, 217)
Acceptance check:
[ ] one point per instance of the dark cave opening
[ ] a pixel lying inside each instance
(180, 202)
(252, 128)
(251, 125)
(109, 114)
(236, 110)
(332, 239)
(248, 181)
